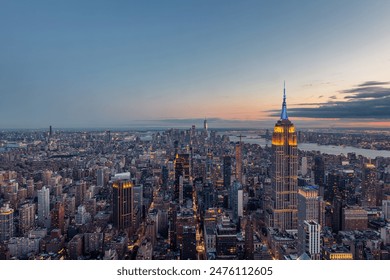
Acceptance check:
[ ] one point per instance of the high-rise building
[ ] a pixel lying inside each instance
(6, 223)
(182, 169)
(312, 244)
(237, 196)
(311, 208)
(283, 207)
(44, 207)
(100, 177)
(304, 166)
(58, 216)
(311, 205)
(370, 187)
(188, 250)
(26, 217)
(226, 239)
(123, 205)
(239, 161)
(227, 177)
(227, 171)
(205, 127)
(80, 191)
(319, 171)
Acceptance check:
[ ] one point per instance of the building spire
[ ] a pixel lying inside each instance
(283, 115)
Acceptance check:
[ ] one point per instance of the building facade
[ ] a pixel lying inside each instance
(282, 213)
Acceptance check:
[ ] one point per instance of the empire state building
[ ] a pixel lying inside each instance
(282, 211)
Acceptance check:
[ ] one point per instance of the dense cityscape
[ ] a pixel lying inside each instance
(195, 193)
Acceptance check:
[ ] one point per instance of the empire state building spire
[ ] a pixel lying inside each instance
(283, 115)
(282, 212)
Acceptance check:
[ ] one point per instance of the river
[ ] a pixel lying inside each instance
(324, 149)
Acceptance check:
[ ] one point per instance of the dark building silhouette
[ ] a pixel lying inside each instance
(227, 171)
(249, 243)
(319, 173)
(188, 249)
(123, 205)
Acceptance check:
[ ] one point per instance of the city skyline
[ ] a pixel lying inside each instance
(192, 195)
(130, 64)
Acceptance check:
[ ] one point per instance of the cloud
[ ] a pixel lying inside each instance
(367, 92)
(373, 83)
(333, 97)
(367, 101)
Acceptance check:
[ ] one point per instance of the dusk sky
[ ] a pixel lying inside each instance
(172, 63)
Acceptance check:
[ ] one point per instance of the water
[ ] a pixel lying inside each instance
(324, 149)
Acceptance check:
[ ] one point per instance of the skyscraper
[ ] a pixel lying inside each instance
(319, 171)
(182, 169)
(205, 127)
(283, 207)
(370, 186)
(312, 244)
(6, 223)
(237, 200)
(311, 209)
(123, 205)
(44, 207)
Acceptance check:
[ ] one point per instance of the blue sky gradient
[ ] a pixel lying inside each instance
(116, 63)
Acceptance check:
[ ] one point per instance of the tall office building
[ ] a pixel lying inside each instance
(237, 196)
(188, 250)
(6, 223)
(311, 207)
(123, 205)
(312, 233)
(319, 174)
(205, 128)
(182, 169)
(283, 207)
(370, 187)
(44, 207)
(319, 170)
